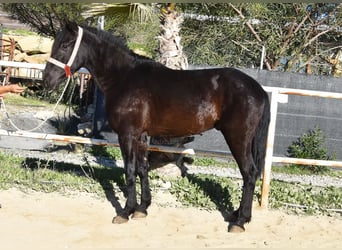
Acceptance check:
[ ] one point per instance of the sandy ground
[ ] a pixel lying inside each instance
(39, 220)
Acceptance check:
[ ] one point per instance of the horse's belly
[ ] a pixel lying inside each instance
(182, 123)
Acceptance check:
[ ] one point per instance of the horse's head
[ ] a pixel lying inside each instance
(65, 56)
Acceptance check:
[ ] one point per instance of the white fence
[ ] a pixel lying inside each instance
(32, 70)
(278, 95)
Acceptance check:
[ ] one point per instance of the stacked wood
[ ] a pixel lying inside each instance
(30, 49)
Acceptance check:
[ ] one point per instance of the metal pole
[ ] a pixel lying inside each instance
(1, 32)
(262, 57)
(101, 23)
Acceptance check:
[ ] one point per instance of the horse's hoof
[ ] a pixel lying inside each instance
(235, 229)
(119, 220)
(138, 215)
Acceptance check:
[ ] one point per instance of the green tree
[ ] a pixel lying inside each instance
(296, 36)
(45, 18)
(311, 145)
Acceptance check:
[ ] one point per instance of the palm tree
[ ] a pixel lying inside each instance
(121, 11)
(170, 48)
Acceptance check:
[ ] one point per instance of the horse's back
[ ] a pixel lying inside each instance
(220, 85)
(211, 80)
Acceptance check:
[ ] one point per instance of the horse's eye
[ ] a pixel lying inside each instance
(64, 45)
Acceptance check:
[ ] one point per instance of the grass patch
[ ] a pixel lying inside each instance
(212, 192)
(50, 176)
(19, 100)
(305, 199)
(215, 162)
(207, 192)
(15, 99)
(19, 32)
(106, 151)
(293, 169)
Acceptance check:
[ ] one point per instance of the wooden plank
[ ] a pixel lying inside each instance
(303, 92)
(90, 141)
(22, 65)
(302, 161)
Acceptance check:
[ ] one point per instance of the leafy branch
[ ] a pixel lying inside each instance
(250, 27)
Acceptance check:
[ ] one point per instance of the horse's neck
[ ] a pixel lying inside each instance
(107, 64)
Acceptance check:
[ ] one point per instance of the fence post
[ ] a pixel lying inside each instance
(266, 180)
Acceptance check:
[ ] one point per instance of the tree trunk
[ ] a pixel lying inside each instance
(170, 48)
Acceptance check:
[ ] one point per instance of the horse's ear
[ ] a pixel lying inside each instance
(71, 26)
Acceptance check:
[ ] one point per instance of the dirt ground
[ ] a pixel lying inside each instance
(39, 220)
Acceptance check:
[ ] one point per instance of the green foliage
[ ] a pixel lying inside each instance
(287, 30)
(212, 192)
(207, 191)
(45, 18)
(310, 146)
(106, 151)
(51, 176)
(121, 12)
(140, 36)
(190, 194)
(208, 161)
(305, 199)
(18, 32)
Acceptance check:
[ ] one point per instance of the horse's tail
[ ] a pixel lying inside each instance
(260, 138)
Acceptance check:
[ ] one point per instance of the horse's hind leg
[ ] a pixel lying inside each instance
(244, 213)
(240, 146)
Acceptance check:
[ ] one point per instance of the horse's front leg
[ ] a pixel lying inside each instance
(128, 146)
(142, 171)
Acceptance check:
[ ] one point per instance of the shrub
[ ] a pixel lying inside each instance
(311, 145)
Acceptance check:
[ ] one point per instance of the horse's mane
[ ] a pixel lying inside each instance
(110, 38)
(117, 41)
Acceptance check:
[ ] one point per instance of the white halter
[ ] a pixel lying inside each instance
(67, 66)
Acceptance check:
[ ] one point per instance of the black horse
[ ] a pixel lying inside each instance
(143, 97)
